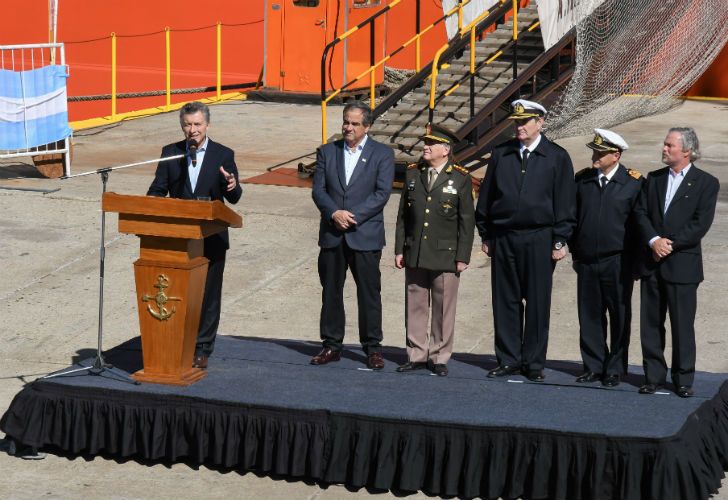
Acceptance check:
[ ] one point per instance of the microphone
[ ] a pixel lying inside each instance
(192, 147)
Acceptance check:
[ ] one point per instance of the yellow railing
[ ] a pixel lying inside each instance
(325, 99)
(113, 74)
(115, 116)
(471, 28)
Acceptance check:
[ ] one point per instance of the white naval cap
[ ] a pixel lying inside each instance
(521, 108)
(606, 140)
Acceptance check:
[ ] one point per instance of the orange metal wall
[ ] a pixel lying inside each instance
(85, 28)
(296, 37)
(714, 82)
(402, 27)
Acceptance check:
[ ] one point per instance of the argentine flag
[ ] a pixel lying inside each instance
(33, 108)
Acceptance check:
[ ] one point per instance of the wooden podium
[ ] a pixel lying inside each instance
(170, 277)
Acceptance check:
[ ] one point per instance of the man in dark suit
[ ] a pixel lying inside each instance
(603, 247)
(676, 210)
(351, 186)
(525, 215)
(434, 240)
(207, 172)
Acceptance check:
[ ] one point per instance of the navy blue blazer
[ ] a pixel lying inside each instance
(686, 221)
(172, 178)
(365, 196)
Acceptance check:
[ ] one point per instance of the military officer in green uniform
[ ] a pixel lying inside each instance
(434, 239)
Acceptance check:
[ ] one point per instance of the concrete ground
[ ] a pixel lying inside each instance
(49, 262)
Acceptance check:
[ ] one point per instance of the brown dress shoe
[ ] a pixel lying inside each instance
(375, 361)
(326, 355)
(200, 361)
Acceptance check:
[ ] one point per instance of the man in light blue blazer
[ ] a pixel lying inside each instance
(351, 186)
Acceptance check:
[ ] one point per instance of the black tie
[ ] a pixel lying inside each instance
(603, 180)
(524, 160)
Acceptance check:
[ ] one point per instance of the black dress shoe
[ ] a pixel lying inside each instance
(440, 370)
(684, 391)
(503, 371)
(611, 381)
(535, 376)
(327, 355)
(200, 361)
(375, 361)
(411, 366)
(588, 377)
(650, 388)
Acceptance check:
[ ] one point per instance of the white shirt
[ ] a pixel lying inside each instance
(609, 175)
(673, 183)
(194, 171)
(532, 147)
(351, 157)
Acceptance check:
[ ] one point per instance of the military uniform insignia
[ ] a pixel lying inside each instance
(449, 189)
(634, 174)
(519, 109)
(460, 169)
(598, 140)
(412, 165)
(411, 185)
(446, 207)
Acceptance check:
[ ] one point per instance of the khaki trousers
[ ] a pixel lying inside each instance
(435, 291)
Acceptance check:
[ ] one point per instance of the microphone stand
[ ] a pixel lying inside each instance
(100, 366)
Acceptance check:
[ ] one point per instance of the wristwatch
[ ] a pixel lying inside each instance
(558, 245)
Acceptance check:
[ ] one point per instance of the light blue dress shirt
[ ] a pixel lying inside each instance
(194, 171)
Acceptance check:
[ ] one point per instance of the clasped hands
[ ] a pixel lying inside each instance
(661, 248)
(343, 220)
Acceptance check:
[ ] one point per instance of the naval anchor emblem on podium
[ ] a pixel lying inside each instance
(161, 299)
(171, 260)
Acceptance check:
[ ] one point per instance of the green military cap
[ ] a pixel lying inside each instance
(438, 133)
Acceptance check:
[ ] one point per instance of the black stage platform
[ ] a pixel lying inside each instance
(263, 407)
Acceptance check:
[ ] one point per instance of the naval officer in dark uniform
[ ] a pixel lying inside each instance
(525, 215)
(434, 240)
(604, 247)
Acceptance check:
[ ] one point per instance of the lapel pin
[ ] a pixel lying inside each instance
(364, 160)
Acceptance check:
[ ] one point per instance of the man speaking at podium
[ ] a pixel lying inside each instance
(207, 172)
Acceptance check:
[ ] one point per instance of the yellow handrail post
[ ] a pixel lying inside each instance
(219, 59)
(323, 122)
(168, 67)
(113, 74)
(433, 76)
(460, 15)
(417, 53)
(372, 99)
(515, 19)
(472, 50)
